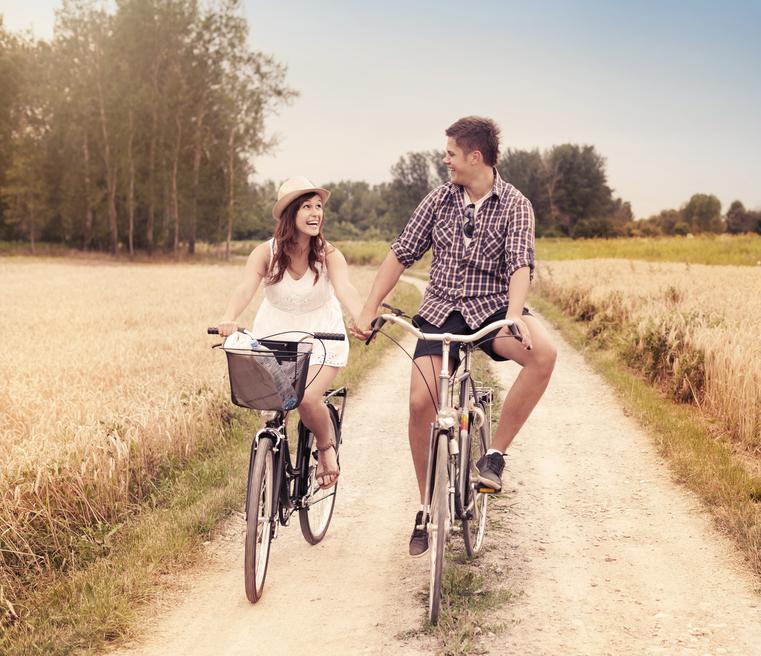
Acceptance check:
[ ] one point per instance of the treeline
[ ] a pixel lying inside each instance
(566, 184)
(135, 128)
(701, 214)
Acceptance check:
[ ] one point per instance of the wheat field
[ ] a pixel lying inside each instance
(696, 328)
(107, 379)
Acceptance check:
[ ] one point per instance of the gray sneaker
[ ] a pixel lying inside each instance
(419, 539)
(490, 468)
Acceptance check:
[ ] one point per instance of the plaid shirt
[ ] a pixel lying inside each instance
(472, 280)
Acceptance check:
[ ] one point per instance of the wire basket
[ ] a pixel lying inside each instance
(252, 385)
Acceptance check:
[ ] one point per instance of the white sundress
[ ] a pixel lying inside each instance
(303, 305)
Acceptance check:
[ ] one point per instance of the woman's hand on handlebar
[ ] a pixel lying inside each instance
(227, 328)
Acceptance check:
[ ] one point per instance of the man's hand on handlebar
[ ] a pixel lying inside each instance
(525, 333)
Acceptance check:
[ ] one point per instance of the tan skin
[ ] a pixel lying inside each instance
(536, 354)
(314, 414)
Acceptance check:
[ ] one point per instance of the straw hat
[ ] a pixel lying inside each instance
(292, 189)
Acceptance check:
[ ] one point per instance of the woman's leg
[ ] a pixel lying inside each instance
(315, 416)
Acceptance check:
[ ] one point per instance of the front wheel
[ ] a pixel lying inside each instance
(317, 504)
(259, 519)
(475, 503)
(438, 525)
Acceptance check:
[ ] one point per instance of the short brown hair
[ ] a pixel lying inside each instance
(476, 133)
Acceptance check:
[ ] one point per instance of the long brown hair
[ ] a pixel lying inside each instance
(286, 240)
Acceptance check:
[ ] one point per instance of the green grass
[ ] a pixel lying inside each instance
(471, 589)
(741, 250)
(698, 454)
(84, 609)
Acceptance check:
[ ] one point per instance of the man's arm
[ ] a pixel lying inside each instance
(516, 299)
(385, 280)
(519, 247)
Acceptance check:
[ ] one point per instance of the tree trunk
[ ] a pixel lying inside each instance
(197, 152)
(87, 240)
(131, 190)
(231, 196)
(110, 166)
(32, 221)
(151, 187)
(175, 194)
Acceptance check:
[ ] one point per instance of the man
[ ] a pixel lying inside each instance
(481, 230)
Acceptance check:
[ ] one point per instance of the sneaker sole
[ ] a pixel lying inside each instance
(422, 553)
(488, 486)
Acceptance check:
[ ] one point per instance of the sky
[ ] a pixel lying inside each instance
(668, 92)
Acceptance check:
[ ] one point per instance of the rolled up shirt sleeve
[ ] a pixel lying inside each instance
(519, 241)
(415, 239)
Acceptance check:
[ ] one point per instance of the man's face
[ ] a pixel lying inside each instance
(457, 162)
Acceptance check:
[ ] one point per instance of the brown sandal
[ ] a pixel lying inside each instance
(329, 472)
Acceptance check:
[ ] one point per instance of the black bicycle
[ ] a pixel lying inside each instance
(278, 483)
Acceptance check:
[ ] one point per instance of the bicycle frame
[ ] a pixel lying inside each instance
(287, 476)
(447, 415)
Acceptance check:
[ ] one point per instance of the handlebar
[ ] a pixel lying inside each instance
(337, 337)
(397, 314)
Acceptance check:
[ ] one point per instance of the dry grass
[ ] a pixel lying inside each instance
(106, 382)
(695, 329)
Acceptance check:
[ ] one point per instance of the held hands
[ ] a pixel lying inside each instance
(361, 327)
(520, 324)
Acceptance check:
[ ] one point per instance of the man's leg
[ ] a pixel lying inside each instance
(537, 365)
(423, 405)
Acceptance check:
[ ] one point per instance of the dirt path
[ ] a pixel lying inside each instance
(351, 594)
(604, 554)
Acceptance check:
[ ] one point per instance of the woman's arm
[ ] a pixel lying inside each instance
(338, 272)
(255, 271)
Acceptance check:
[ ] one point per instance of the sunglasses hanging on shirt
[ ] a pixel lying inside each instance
(467, 227)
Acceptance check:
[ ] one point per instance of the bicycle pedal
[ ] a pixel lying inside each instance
(487, 490)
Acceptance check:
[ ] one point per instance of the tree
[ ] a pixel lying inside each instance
(525, 170)
(740, 220)
(577, 185)
(412, 177)
(703, 213)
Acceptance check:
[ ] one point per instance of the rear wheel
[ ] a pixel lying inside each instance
(438, 525)
(475, 502)
(259, 519)
(317, 504)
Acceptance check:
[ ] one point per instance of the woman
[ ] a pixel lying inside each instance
(304, 279)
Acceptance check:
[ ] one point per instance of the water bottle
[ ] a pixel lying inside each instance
(272, 366)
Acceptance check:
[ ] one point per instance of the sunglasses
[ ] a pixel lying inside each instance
(467, 227)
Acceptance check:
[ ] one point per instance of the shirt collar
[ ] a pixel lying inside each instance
(499, 187)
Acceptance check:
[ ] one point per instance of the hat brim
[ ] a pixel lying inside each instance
(282, 203)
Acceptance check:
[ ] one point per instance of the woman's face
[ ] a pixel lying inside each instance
(309, 216)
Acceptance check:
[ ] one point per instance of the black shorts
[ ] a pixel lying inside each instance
(455, 323)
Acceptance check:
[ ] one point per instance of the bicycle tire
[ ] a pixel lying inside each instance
(259, 519)
(475, 503)
(438, 525)
(317, 506)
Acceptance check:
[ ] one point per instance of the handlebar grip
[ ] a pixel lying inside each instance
(212, 331)
(338, 337)
(376, 326)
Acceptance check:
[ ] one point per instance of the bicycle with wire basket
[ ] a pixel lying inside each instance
(459, 436)
(279, 484)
